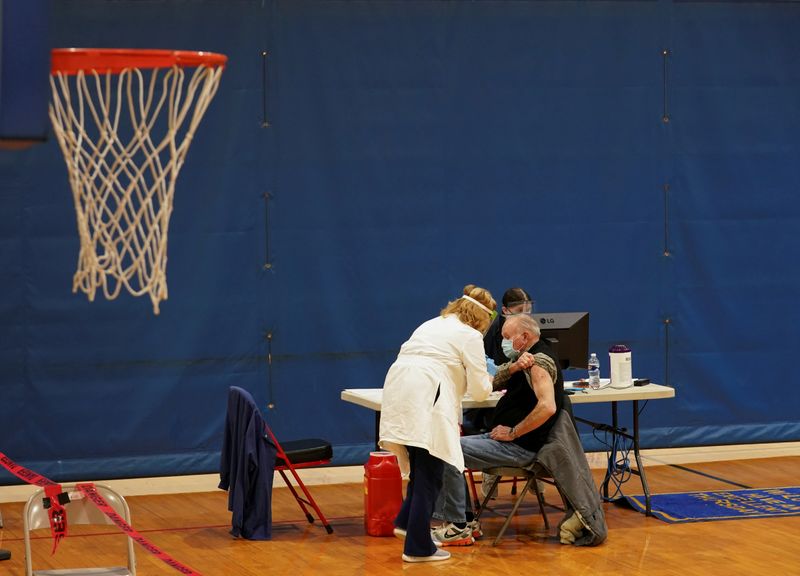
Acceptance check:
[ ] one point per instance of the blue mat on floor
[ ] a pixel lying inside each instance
(725, 505)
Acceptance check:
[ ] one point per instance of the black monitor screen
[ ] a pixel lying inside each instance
(567, 333)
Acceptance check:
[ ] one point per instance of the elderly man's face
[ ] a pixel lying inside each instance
(512, 332)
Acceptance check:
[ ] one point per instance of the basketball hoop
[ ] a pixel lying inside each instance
(124, 129)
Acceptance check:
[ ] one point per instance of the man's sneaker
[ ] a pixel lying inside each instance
(486, 483)
(451, 535)
(435, 557)
(475, 527)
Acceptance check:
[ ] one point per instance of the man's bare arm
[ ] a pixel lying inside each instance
(504, 371)
(543, 386)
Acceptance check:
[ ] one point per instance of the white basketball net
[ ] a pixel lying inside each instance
(123, 184)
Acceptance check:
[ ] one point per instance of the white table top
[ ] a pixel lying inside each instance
(373, 397)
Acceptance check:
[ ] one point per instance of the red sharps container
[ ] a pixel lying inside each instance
(383, 493)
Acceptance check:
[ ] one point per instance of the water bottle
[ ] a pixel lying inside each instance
(594, 372)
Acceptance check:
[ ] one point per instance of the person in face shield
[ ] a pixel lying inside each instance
(421, 410)
(515, 301)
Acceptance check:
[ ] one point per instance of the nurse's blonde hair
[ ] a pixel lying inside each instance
(470, 313)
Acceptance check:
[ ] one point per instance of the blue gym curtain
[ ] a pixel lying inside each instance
(412, 148)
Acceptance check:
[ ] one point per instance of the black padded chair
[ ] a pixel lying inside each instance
(298, 454)
(290, 456)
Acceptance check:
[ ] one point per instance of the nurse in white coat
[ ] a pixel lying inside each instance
(421, 409)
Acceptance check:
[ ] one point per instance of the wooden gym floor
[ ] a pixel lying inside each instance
(194, 529)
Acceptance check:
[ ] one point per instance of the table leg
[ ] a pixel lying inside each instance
(612, 454)
(639, 465)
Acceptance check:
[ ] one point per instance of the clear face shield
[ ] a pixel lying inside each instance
(518, 307)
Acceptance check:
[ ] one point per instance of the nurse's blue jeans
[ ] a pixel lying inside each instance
(480, 452)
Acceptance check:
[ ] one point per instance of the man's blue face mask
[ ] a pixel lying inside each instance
(508, 349)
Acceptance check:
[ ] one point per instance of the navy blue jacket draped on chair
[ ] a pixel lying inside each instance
(246, 468)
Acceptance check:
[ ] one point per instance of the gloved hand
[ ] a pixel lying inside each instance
(490, 367)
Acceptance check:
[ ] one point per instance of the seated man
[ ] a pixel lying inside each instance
(520, 424)
(515, 301)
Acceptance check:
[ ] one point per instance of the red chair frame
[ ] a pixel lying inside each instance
(292, 468)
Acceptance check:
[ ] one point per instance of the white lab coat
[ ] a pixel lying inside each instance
(443, 355)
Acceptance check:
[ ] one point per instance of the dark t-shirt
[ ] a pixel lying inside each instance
(493, 341)
(520, 400)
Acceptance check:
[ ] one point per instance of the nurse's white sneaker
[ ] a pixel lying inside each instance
(401, 534)
(435, 557)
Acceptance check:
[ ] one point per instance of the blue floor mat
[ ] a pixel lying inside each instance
(721, 505)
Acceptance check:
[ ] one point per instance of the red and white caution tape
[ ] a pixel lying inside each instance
(58, 514)
(55, 508)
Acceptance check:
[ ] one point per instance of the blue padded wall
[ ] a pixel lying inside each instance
(24, 65)
(415, 147)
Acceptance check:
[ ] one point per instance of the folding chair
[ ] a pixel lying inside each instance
(79, 511)
(298, 454)
(530, 477)
(474, 490)
(4, 554)
(567, 406)
(290, 456)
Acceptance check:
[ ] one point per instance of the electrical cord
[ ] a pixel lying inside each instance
(617, 456)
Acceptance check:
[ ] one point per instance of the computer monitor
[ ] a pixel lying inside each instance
(567, 333)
